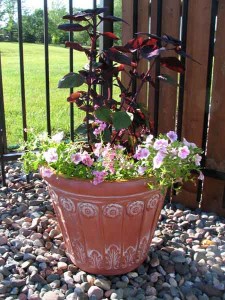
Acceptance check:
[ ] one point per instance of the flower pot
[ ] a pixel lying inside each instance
(107, 228)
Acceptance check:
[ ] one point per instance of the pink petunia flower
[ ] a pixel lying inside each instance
(172, 136)
(158, 160)
(46, 172)
(201, 176)
(76, 158)
(141, 170)
(101, 127)
(161, 144)
(149, 139)
(99, 176)
(141, 153)
(57, 138)
(198, 159)
(183, 152)
(51, 155)
(86, 159)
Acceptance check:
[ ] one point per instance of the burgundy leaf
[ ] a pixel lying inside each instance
(184, 54)
(87, 108)
(172, 63)
(75, 46)
(134, 44)
(149, 42)
(112, 19)
(117, 56)
(73, 27)
(110, 35)
(151, 35)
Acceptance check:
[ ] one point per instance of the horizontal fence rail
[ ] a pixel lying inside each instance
(195, 108)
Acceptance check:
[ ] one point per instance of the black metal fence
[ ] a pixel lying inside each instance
(5, 155)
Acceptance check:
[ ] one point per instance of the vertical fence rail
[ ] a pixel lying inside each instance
(22, 81)
(47, 86)
(3, 142)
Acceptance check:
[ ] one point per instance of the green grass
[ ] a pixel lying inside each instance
(34, 66)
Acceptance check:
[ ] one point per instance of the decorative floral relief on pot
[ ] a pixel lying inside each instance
(79, 251)
(135, 208)
(67, 204)
(129, 257)
(112, 257)
(143, 248)
(95, 259)
(153, 201)
(112, 210)
(88, 210)
(53, 195)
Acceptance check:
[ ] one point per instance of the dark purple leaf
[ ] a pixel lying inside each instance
(73, 27)
(150, 52)
(87, 108)
(96, 11)
(151, 35)
(77, 17)
(122, 49)
(117, 56)
(172, 63)
(184, 54)
(112, 19)
(168, 39)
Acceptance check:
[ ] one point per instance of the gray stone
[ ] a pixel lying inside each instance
(103, 284)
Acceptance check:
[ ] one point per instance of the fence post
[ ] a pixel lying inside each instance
(3, 141)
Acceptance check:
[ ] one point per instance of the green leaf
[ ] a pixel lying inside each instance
(103, 114)
(106, 136)
(71, 80)
(121, 119)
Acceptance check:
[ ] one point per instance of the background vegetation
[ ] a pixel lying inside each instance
(33, 36)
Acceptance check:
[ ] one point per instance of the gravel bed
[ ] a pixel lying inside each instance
(185, 261)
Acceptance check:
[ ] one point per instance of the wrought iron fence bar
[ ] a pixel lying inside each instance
(157, 68)
(214, 10)
(94, 4)
(182, 76)
(71, 70)
(22, 82)
(2, 114)
(135, 30)
(104, 42)
(3, 142)
(47, 93)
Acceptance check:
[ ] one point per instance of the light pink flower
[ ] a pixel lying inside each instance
(186, 143)
(201, 176)
(183, 152)
(57, 138)
(51, 155)
(158, 160)
(198, 159)
(172, 136)
(86, 159)
(101, 127)
(76, 158)
(141, 170)
(98, 149)
(141, 153)
(99, 176)
(161, 144)
(149, 139)
(45, 172)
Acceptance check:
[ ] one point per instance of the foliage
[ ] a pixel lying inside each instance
(117, 144)
(166, 159)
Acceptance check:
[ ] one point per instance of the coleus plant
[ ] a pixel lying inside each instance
(125, 120)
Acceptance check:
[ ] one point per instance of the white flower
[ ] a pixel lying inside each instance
(57, 138)
(51, 155)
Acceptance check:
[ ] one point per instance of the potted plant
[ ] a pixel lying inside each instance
(107, 187)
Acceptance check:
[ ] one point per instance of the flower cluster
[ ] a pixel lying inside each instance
(165, 158)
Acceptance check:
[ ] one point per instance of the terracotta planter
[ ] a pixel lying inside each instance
(107, 228)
